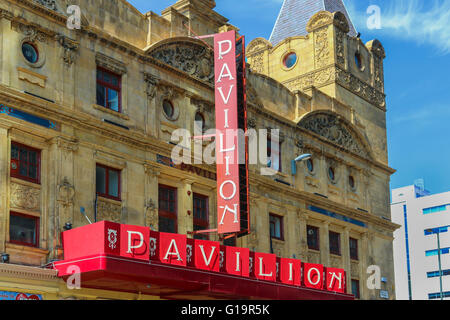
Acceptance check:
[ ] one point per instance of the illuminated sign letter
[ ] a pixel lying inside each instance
(173, 243)
(141, 243)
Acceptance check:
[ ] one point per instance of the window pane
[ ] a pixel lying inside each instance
(334, 243)
(106, 77)
(32, 157)
(32, 172)
(22, 229)
(101, 96)
(166, 225)
(101, 180)
(113, 187)
(313, 238)
(23, 169)
(114, 81)
(14, 152)
(113, 100)
(355, 288)
(275, 227)
(23, 155)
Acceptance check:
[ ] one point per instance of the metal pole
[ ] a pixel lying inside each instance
(440, 266)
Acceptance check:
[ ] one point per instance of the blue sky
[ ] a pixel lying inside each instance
(416, 36)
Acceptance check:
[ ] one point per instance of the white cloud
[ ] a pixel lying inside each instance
(417, 20)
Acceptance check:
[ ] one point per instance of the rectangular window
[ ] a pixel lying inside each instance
(274, 155)
(355, 289)
(435, 209)
(436, 230)
(24, 229)
(25, 163)
(167, 209)
(335, 243)
(435, 274)
(201, 216)
(431, 253)
(434, 296)
(109, 90)
(353, 249)
(313, 238)
(108, 182)
(276, 227)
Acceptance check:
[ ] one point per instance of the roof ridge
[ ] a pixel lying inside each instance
(294, 15)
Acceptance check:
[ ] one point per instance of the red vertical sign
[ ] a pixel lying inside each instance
(227, 151)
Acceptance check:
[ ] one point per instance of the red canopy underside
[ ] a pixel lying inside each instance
(172, 282)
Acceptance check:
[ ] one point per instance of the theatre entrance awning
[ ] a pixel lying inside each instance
(125, 258)
(172, 282)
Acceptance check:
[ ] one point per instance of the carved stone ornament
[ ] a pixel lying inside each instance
(332, 128)
(202, 105)
(320, 19)
(50, 4)
(258, 45)
(192, 58)
(66, 193)
(340, 21)
(25, 197)
(151, 215)
(152, 84)
(109, 211)
(32, 34)
(322, 49)
(70, 48)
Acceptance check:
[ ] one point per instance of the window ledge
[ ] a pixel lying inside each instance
(111, 112)
(112, 201)
(279, 241)
(26, 183)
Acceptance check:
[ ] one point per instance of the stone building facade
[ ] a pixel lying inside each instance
(158, 78)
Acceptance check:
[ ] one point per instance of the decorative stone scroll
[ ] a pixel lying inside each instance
(32, 34)
(334, 129)
(192, 58)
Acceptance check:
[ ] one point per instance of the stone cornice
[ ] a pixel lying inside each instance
(266, 184)
(334, 74)
(29, 273)
(40, 9)
(79, 120)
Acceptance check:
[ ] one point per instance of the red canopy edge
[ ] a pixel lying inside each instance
(172, 282)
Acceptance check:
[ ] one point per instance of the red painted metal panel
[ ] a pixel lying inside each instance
(227, 145)
(120, 274)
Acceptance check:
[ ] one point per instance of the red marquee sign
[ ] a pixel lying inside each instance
(140, 244)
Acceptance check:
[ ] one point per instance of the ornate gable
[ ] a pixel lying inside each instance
(337, 130)
(188, 55)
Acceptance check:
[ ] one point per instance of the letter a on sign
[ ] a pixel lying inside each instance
(228, 185)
